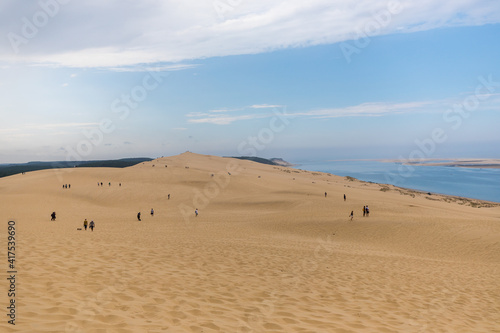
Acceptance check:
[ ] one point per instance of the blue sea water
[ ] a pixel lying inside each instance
(477, 183)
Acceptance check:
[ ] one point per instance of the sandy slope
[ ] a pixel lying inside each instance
(268, 252)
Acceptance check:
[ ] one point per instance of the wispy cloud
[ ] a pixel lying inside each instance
(371, 109)
(158, 68)
(165, 32)
(265, 106)
(222, 116)
(224, 119)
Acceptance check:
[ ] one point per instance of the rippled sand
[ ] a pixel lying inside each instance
(267, 253)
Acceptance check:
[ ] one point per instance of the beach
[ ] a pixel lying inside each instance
(268, 252)
(477, 182)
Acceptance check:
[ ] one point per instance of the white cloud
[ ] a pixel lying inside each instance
(107, 34)
(370, 110)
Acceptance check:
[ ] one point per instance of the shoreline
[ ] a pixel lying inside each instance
(450, 197)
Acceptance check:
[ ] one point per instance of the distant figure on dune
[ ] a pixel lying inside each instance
(326, 194)
(169, 196)
(69, 185)
(97, 183)
(120, 184)
(53, 216)
(109, 184)
(139, 216)
(345, 198)
(152, 212)
(85, 223)
(101, 183)
(364, 210)
(196, 212)
(352, 215)
(367, 210)
(92, 225)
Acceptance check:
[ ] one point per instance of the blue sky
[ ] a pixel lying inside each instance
(322, 80)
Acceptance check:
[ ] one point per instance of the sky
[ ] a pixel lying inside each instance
(301, 80)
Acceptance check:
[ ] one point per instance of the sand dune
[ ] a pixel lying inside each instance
(267, 253)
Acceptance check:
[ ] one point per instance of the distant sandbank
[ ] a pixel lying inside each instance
(488, 163)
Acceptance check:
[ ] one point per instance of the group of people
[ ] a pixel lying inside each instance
(66, 186)
(86, 224)
(366, 212)
(326, 194)
(153, 212)
(109, 184)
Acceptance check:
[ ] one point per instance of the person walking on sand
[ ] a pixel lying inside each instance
(152, 212)
(352, 215)
(196, 212)
(85, 223)
(92, 225)
(367, 211)
(364, 210)
(326, 194)
(345, 198)
(169, 196)
(53, 216)
(139, 216)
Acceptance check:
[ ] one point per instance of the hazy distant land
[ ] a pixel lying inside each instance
(489, 163)
(13, 169)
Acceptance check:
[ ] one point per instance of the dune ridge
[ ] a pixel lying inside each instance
(267, 253)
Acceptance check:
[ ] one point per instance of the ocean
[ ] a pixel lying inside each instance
(476, 183)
